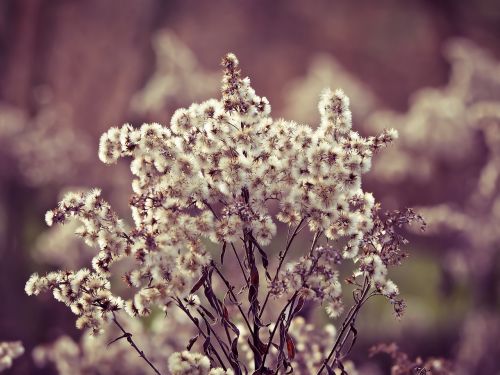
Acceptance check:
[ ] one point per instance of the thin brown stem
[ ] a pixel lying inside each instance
(280, 264)
(211, 330)
(211, 209)
(200, 330)
(346, 325)
(281, 316)
(240, 263)
(128, 336)
(230, 290)
(317, 236)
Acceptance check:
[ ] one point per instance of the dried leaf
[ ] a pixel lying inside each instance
(299, 306)
(290, 347)
(192, 341)
(199, 283)
(224, 245)
(263, 255)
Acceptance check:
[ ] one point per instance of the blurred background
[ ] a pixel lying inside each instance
(431, 69)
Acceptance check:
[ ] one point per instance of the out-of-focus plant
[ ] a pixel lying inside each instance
(477, 350)
(42, 148)
(8, 352)
(224, 172)
(459, 127)
(403, 365)
(52, 247)
(451, 143)
(446, 122)
(178, 79)
(325, 71)
(100, 354)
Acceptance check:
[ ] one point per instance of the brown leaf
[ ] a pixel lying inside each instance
(199, 283)
(290, 347)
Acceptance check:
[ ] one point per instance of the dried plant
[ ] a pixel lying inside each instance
(208, 193)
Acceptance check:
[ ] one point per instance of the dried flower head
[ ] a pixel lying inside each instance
(226, 172)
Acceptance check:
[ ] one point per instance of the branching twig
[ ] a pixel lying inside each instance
(280, 264)
(230, 290)
(346, 325)
(200, 330)
(128, 336)
(281, 316)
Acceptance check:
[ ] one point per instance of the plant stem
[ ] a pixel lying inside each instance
(128, 336)
(280, 317)
(230, 289)
(351, 316)
(197, 324)
(282, 258)
(241, 265)
(219, 340)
